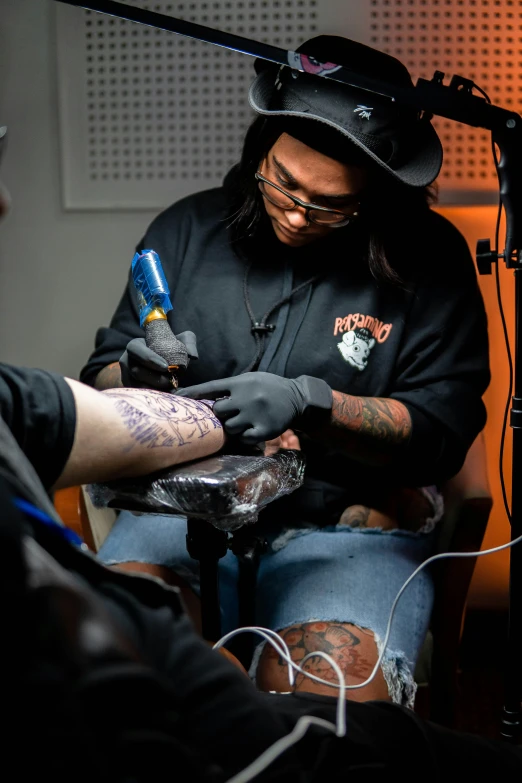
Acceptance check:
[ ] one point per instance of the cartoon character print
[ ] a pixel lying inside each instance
(355, 347)
(307, 63)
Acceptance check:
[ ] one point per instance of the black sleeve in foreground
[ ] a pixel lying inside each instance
(39, 409)
(224, 717)
(394, 743)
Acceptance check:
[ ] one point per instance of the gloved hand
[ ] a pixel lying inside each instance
(259, 406)
(142, 368)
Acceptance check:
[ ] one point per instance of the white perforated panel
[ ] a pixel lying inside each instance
(149, 116)
(478, 39)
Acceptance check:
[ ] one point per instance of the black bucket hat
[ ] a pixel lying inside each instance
(399, 139)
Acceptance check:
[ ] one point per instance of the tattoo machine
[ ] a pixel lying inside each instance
(154, 304)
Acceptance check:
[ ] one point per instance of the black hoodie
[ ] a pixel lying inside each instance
(424, 343)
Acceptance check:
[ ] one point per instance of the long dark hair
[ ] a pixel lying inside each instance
(386, 203)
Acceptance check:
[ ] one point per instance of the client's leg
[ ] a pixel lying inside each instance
(154, 545)
(167, 575)
(332, 590)
(353, 648)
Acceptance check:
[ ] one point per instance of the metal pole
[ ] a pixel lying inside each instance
(511, 724)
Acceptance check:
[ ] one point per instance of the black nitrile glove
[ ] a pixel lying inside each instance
(142, 368)
(259, 406)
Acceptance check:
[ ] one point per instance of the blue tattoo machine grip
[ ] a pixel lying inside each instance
(154, 304)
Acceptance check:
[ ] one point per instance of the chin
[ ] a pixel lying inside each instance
(293, 241)
(297, 242)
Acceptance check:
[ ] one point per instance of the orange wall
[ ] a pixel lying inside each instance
(490, 582)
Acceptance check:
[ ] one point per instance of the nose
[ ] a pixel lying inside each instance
(297, 217)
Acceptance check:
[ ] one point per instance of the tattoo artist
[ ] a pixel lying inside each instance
(333, 305)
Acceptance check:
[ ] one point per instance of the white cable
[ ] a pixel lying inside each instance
(285, 654)
(341, 714)
(277, 642)
(441, 556)
(304, 723)
(274, 751)
(274, 639)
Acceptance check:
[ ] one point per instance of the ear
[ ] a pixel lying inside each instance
(349, 338)
(371, 343)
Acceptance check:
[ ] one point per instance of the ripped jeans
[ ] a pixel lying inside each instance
(337, 574)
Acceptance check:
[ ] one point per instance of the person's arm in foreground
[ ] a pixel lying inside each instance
(133, 432)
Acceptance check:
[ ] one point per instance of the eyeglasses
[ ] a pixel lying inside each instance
(321, 216)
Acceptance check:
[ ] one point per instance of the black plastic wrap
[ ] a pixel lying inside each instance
(227, 490)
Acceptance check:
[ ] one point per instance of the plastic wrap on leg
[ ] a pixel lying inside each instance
(228, 490)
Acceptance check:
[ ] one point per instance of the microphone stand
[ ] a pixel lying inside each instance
(510, 178)
(457, 102)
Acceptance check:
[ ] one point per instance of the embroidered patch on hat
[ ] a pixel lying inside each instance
(309, 64)
(365, 112)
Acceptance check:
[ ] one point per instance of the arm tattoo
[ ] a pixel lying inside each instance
(384, 419)
(109, 377)
(372, 429)
(157, 419)
(335, 639)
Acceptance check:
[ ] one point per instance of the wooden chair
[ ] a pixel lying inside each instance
(77, 512)
(468, 502)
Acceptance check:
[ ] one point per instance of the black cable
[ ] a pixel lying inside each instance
(506, 336)
(510, 363)
(257, 336)
(488, 99)
(260, 329)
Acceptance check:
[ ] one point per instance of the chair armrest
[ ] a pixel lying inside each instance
(96, 522)
(227, 490)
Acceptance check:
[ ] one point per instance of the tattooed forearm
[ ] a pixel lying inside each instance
(380, 418)
(109, 377)
(372, 429)
(156, 419)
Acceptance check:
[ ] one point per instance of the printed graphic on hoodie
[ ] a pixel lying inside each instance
(360, 333)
